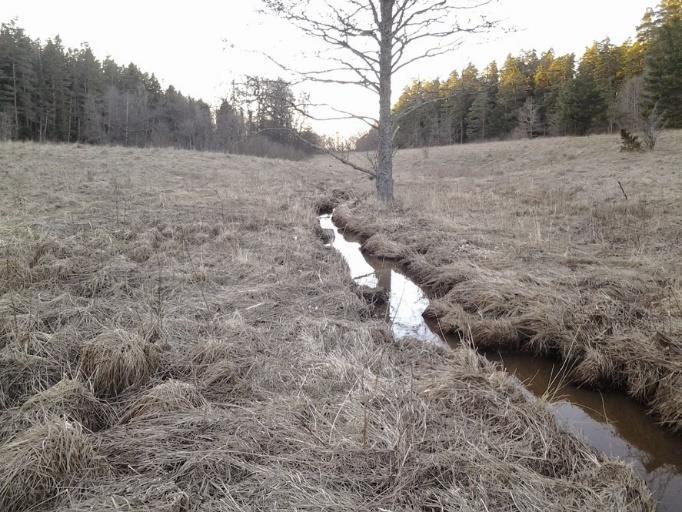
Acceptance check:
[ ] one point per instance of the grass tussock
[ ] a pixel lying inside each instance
(22, 375)
(380, 246)
(136, 494)
(48, 249)
(221, 380)
(14, 273)
(667, 401)
(394, 437)
(325, 204)
(210, 352)
(117, 360)
(45, 461)
(595, 369)
(486, 334)
(169, 397)
(69, 399)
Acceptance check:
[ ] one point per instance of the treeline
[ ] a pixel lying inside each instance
(50, 93)
(612, 86)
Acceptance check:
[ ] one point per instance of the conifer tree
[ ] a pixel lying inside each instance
(513, 91)
(483, 116)
(479, 115)
(581, 104)
(664, 64)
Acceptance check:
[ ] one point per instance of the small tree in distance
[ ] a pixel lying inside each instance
(530, 123)
(368, 41)
(635, 118)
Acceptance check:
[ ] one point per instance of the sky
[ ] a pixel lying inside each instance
(201, 46)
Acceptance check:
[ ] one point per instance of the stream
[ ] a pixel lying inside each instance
(609, 422)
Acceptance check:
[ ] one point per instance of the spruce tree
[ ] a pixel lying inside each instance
(664, 64)
(581, 104)
(478, 117)
(513, 91)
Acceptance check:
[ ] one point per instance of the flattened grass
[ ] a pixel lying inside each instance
(237, 365)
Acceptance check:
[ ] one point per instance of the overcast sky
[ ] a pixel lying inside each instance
(184, 43)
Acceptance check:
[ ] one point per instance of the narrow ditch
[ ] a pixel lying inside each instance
(609, 422)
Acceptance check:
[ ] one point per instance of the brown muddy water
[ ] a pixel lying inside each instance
(609, 422)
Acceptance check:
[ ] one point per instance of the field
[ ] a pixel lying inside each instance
(560, 247)
(175, 337)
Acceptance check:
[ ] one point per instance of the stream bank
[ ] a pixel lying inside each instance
(609, 422)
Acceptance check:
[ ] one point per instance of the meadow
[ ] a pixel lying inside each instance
(174, 336)
(559, 247)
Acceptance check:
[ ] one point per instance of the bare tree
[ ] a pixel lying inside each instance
(634, 118)
(652, 124)
(5, 127)
(630, 103)
(368, 41)
(529, 118)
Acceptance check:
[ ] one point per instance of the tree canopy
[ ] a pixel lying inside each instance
(535, 94)
(51, 93)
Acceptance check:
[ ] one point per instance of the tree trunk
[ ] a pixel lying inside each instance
(16, 107)
(127, 117)
(68, 128)
(384, 182)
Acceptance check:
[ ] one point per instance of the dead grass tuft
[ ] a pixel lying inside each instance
(436, 281)
(169, 397)
(326, 204)
(141, 252)
(485, 334)
(14, 273)
(667, 402)
(44, 462)
(22, 375)
(118, 360)
(382, 247)
(595, 369)
(208, 353)
(71, 400)
(221, 381)
(374, 297)
(138, 494)
(52, 248)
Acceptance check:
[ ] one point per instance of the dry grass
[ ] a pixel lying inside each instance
(116, 361)
(22, 374)
(45, 462)
(531, 245)
(169, 397)
(237, 365)
(70, 399)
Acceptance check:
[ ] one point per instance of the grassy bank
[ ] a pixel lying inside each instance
(175, 337)
(562, 247)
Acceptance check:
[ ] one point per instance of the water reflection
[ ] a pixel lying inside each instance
(361, 271)
(609, 422)
(407, 302)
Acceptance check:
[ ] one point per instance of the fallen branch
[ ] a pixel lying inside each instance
(623, 190)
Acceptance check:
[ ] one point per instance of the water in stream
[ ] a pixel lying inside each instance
(609, 422)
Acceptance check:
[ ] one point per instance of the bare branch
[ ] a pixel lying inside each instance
(371, 40)
(345, 116)
(321, 149)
